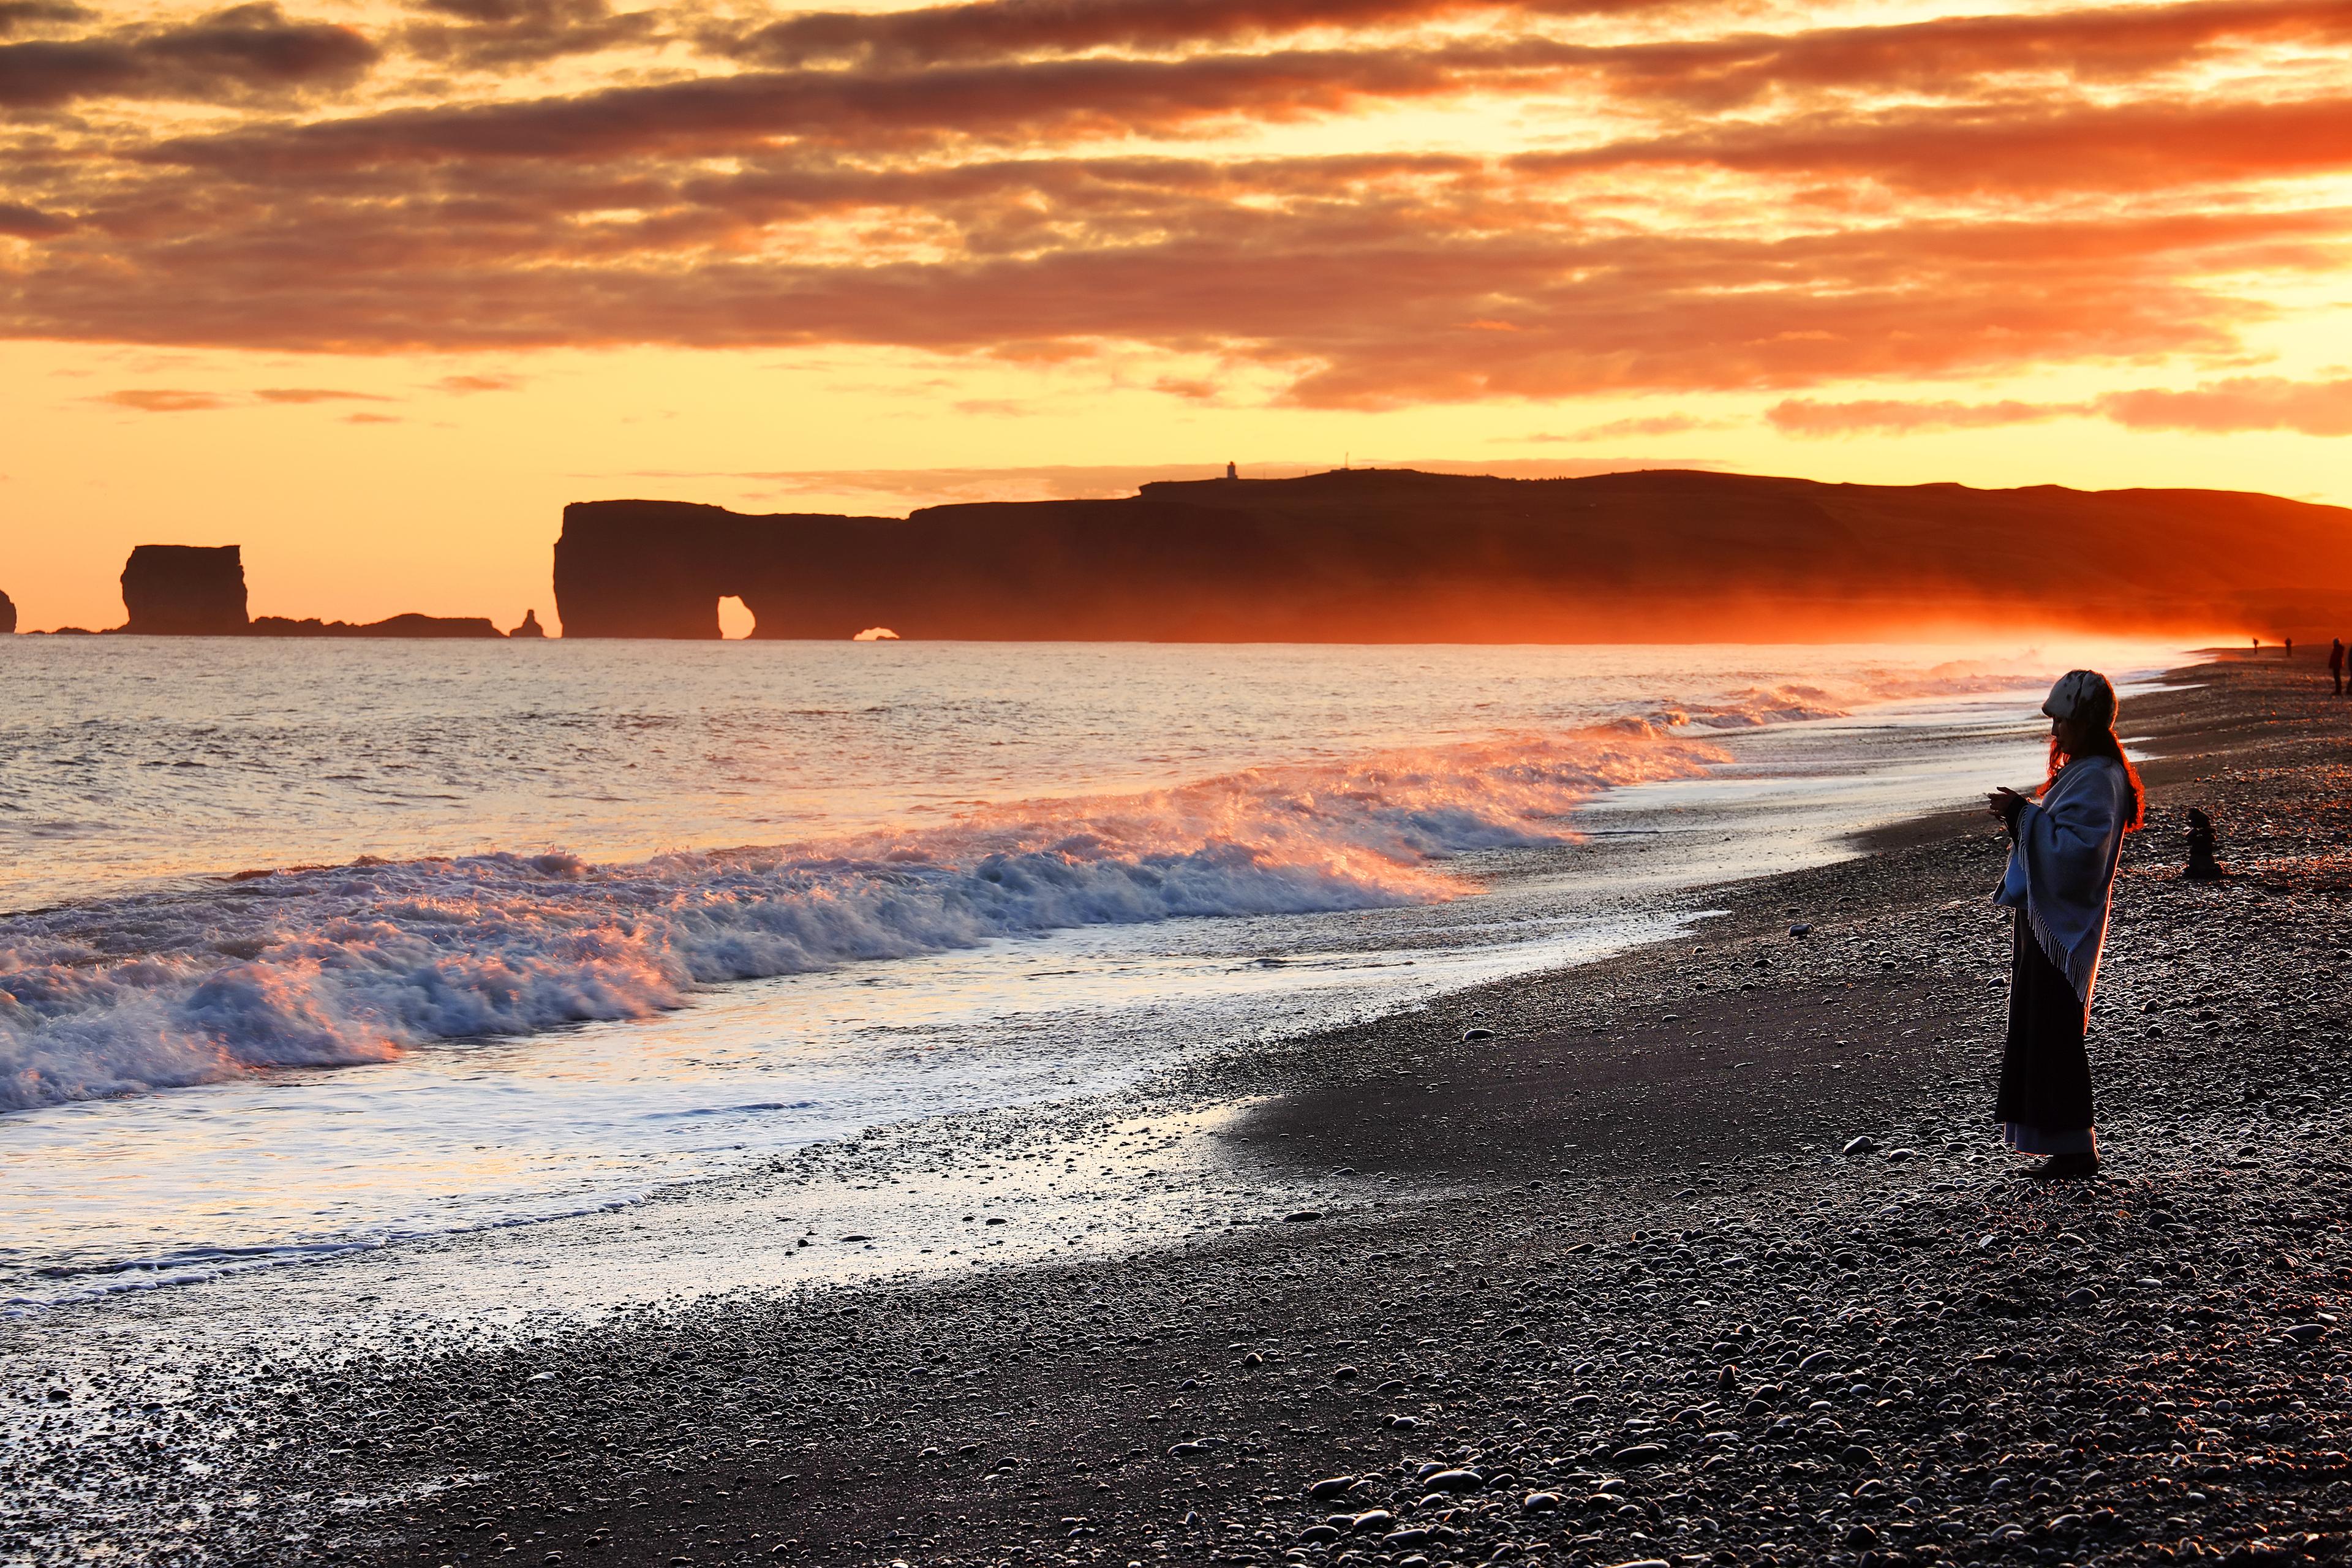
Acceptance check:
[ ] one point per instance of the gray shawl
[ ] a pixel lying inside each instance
(2061, 867)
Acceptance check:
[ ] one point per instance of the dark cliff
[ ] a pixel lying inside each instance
(1399, 556)
(185, 590)
(7, 615)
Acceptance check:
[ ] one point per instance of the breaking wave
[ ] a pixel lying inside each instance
(357, 963)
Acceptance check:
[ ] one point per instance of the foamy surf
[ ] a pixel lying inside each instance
(358, 964)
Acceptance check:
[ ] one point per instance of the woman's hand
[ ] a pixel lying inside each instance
(2005, 804)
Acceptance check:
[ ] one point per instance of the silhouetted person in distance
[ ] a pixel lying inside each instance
(2064, 842)
(2335, 665)
(2290, 648)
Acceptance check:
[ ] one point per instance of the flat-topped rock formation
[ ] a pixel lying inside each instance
(185, 590)
(1394, 555)
(7, 615)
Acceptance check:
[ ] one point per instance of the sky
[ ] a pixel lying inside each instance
(374, 288)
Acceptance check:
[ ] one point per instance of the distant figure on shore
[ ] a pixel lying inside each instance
(2202, 867)
(2062, 873)
(2290, 648)
(2335, 665)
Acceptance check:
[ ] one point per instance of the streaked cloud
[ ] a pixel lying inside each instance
(242, 52)
(1546, 199)
(2220, 407)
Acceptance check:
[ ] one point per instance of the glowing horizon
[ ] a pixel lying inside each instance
(372, 289)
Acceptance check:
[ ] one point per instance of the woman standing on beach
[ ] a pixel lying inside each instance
(2064, 843)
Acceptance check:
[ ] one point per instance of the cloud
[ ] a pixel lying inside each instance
(39, 16)
(1804, 416)
(241, 52)
(461, 385)
(316, 394)
(1639, 424)
(1936, 56)
(2033, 148)
(159, 400)
(749, 112)
(371, 419)
(1044, 180)
(488, 34)
(2239, 404)
(2242, 402)
(31, 223)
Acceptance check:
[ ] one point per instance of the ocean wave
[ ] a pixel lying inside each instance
(358, 964)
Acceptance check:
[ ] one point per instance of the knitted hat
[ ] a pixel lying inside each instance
(2078, 692)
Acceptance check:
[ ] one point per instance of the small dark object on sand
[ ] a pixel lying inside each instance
(2202, 867)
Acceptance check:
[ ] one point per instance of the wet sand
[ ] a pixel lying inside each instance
(1616, 1284)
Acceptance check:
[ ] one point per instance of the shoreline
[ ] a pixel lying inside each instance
(1684, 1087)
(1783, 795)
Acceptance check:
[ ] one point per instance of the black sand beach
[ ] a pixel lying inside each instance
(1708, 1256)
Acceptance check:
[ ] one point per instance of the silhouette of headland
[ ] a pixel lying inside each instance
(188, 590)
(7, 615)
(1398, 555)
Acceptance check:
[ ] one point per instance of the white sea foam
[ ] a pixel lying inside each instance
(361, 963)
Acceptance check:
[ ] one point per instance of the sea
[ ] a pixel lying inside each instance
(310, 949)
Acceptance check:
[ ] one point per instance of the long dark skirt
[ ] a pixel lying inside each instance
(2045, 1073)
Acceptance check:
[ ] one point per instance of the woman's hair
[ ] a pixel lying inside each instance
(2097, 715)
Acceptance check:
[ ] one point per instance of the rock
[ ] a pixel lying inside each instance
(530, 627)
(1454, 1482)
(1302, 1217)
(7, 615)
(1345, 1374)
(185, 590)
(1330, 1486)
(2304, 1333)
(1865, 1144)
(1639, 1454)
(1378, 1518)
(1540, 1502)
(1801, 929)
(1479, 1032)
(404, 626)
(1861, 1537)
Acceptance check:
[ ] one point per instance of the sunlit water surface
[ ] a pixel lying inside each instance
(983, 876)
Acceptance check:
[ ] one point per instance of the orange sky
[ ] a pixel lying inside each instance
(374, 288)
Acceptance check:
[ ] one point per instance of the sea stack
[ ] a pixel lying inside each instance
(7, 615)
(186, 590)
(530, 627)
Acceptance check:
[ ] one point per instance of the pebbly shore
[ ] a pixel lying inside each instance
(1702, 1254)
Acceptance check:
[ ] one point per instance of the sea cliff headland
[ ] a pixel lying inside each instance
(1365, 555)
